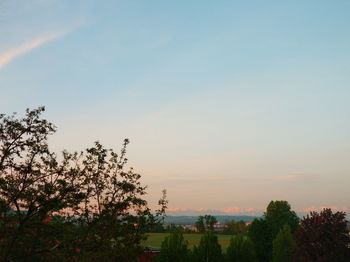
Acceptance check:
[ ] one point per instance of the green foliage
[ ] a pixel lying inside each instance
(283, 245)
(174, 248)
(240, 249)
(278, 214)
(259, 233)
(205, 223)
(323, 237)
(264, 230)
(208, 250)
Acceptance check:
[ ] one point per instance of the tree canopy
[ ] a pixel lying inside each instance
(283, 245)
(260, 235)
(208, 249)
(174, 248)
(278, 214)
(323, 236)
(240, 249)
(263, 230)
(86, 205)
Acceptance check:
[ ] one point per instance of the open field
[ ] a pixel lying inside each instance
(155, 239)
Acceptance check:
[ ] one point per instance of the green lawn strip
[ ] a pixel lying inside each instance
(155, 240)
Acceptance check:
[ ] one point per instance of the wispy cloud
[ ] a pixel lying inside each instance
(15, 52)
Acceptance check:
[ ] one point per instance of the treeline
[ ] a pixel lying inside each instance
(87, 206)
(232, 227)
(278, 236)
(191, 219)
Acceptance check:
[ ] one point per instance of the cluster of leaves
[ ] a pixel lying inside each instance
(318, 237)
(240, 249)
(279, 237)
(84, 206)
(264, 230)
(323, 237)
(283, 245)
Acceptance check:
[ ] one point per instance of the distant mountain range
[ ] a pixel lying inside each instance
(187, 220)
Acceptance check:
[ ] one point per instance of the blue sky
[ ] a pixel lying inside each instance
(228, 104)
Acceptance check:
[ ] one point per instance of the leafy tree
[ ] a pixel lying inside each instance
(32, 185)
(278, 214)
(259, 233)
(323, 237)
(209, 249)
(174, 248)
(283, 245)
(264, 230)
(205, 223)
(240, 249)
(84, 207)
(163, 203)
(113, 215)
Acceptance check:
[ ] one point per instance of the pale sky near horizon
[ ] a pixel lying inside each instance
(228, 104)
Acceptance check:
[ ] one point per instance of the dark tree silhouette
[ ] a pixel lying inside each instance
(33, 184)
(264, 230)
(85, 207)
(113, 215)
(260, 235)
(278, 214)
(323, 237)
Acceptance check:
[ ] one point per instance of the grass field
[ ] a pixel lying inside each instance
(155, 240)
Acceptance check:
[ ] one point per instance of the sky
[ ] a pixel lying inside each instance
(227, 104)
